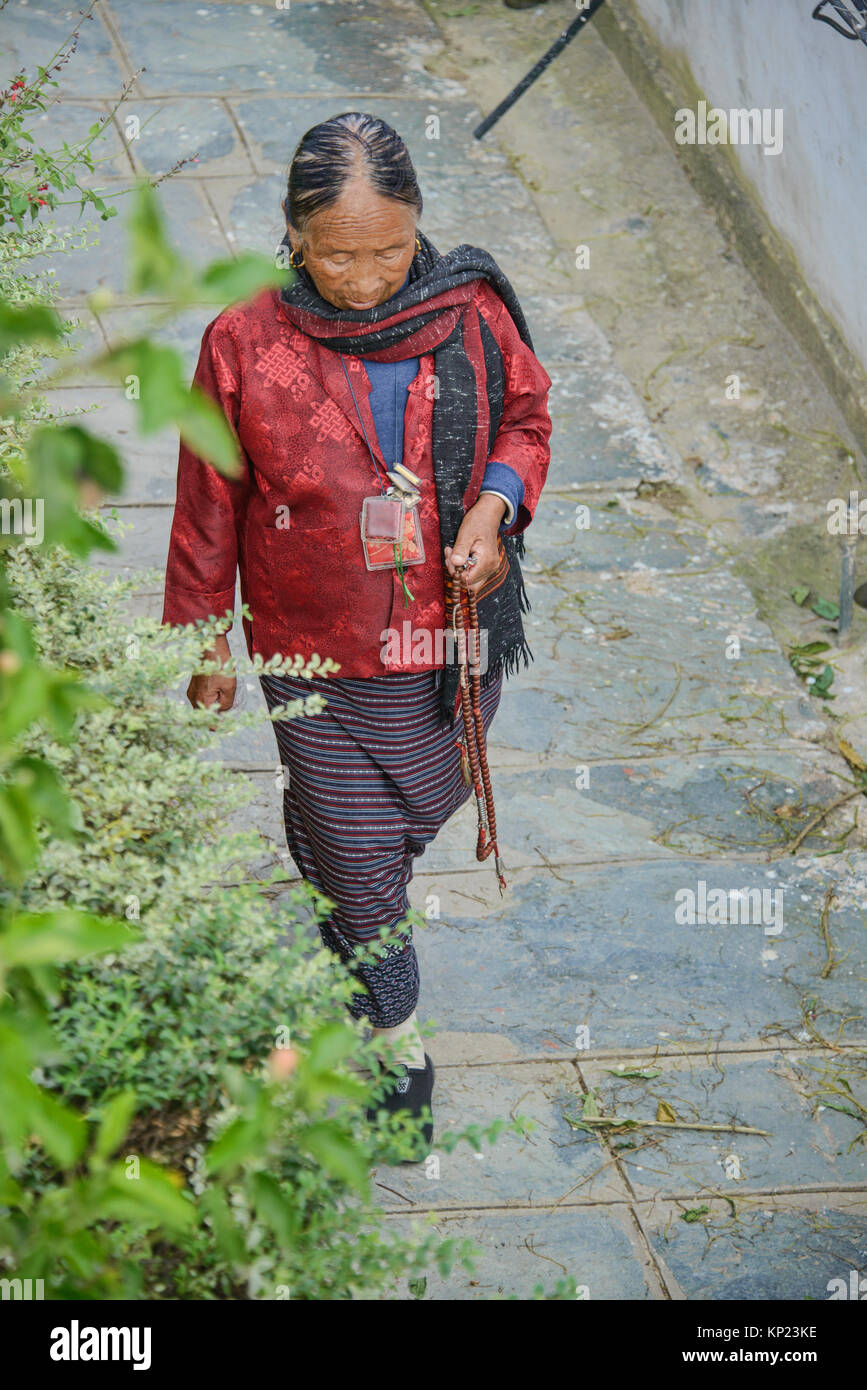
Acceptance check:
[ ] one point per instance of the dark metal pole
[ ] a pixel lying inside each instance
(587, 12)
(847, 572)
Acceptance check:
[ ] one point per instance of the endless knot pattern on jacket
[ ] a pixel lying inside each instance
(279, 365)
(329, 422)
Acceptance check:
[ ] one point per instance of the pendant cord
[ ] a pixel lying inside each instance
(363, 430)
(399, 566)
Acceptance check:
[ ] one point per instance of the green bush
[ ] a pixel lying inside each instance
(207, 983)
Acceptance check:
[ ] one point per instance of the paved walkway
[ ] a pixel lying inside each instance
(660, 746)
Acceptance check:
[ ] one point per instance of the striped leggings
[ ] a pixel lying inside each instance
(368, 783)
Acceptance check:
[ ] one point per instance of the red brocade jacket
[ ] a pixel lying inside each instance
(290, 521)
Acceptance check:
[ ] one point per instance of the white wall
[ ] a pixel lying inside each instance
(771, 53)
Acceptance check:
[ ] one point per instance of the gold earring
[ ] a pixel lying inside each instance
(295, 264)
(417, 244)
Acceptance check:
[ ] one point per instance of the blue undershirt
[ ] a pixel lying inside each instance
(388, 385)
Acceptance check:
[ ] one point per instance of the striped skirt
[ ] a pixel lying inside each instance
(368, 782)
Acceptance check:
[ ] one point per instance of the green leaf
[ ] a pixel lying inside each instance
(226, 282)
(38, 694)
(155, 375)
(27, 1111)
(238, 1141)
(155, 268)
(37, 938)
(45, 792)
(29, 323)
(60, 459)
(801, 594)
(205, 429)
(694, 1214)
(153, 1196)
(11, 1194)
(811, 649)
(329, 1045)
(844, 1109)
(335, 1083)
(116, 1117)
(635, 1073)
(337, 1154)
(19, 843)
(822, 683)
(826, 608)
(276, 1208)
(69, 453)
(589, 1108)
(227, 1233)
(63, 1133)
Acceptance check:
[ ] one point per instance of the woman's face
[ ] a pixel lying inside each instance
(358, 251)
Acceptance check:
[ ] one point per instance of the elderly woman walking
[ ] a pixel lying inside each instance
(394, 434)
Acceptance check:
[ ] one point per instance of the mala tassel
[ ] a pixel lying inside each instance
(465, 767)
(401, 573)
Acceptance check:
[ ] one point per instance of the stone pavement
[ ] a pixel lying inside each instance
(660, 744)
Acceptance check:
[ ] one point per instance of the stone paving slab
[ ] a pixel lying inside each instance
(539, 717)
(764, 1253)
(599, 1248)
(33, 32)
(601, 431)
(805, 1147)
(72, 121)
(532, 809)
(190, 225)
(208, 48)
(562, 331)
(648, 692)
(721, 802)
(599, 947)
(250, 210)
(196, 129)
(643, 697)
(621, 535)
(755, 697)
(543, 1167)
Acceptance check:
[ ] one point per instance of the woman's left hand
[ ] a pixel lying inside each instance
(478, 534)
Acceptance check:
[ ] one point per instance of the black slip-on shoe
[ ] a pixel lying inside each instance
(411, 1090)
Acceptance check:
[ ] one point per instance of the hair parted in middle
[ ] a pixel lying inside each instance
(332, 153)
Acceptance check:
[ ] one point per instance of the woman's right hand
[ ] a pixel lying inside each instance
(217, 689)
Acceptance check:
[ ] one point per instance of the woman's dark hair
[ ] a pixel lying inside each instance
(333, 152)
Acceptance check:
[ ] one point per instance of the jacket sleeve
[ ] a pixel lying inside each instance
(504, 482)
(209, 508)
(525, 427)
